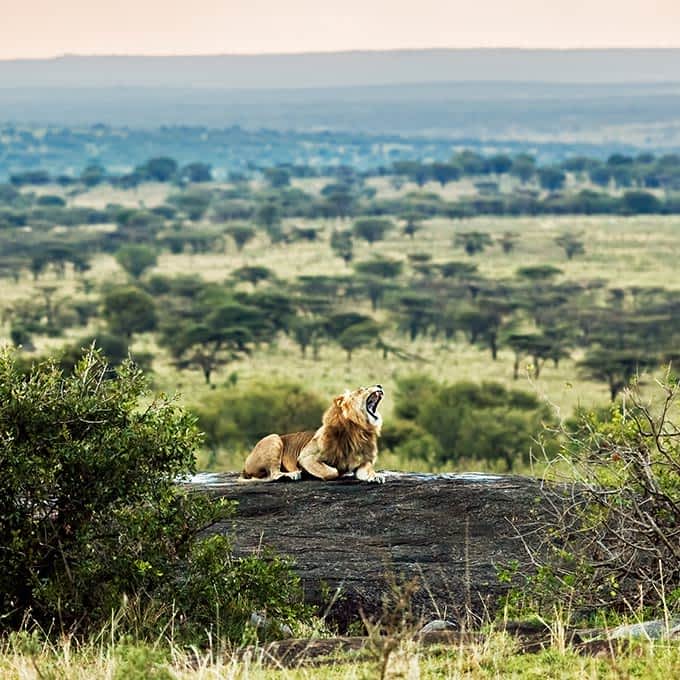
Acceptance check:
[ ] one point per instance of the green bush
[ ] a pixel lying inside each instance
(91, 515)
(237, 419)
(468, 420)
(610, 524)
(410, 441)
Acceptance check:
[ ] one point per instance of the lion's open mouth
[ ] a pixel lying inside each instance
(373, 401)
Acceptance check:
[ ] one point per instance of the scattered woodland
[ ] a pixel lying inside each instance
(519, 290)
(518, 311)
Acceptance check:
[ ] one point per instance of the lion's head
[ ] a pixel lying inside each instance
(360, 406)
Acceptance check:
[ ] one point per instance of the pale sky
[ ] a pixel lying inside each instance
(45, 28)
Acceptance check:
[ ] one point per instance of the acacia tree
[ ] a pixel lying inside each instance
(215, 336)
(412, 223)
(136, 258)
(342, 245)
(309, 332)
(129, 310)
(252, 274)
(571, 244)
(615, 367)
(372, 229)
(508, 241)
(358, 335)
(472, 242)
(242, 235)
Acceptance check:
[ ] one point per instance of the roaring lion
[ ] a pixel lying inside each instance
(347, 441)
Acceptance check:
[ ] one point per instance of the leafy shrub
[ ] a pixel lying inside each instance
(238, 419)
(408, 441)
(92, 516)
(611, 530)
(469, 420)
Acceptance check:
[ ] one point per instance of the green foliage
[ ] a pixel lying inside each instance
(135, 259)
(571, 243)
(380, 267)
(372, 229)
(242, 235)
(252, 274)
(611, 525)
(473, 242)
(342, 245)
(93, 518)
(238, 419)
(410, 441)
(474, 420)
(160, 169)
(358, 335)
(88, 481)
(193, 202)
(129, 310)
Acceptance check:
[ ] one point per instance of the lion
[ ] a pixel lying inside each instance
(347, 441)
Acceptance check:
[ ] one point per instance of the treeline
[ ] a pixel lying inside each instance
(235, 149)
(621, 171)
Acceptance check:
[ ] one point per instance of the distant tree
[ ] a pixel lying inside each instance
(473, 241)
(413, 223)
(357, 336)
(551, 178)
(615, 367)
(268, 216)
(508, 241)
(253, 274)
(303, 234)
(194, 202)
(445, 172)
(500, 164)
(640, 203)
(129, 310)
(277, 177)
(380, 267)
(372, 229)
(523, 167)
(308, 332)
(197, 172)
(471, 163)
(135, 259)
(416, 313)
(540, 272)
(456, 269)
(342, 245)
(220, 336)
(535, 345)
(242, 235)
(600, 175)
(571, 244)
(483, 323)
(93, 175)
(339, 199)
(160, 169)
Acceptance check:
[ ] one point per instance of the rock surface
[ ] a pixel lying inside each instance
(451, 532)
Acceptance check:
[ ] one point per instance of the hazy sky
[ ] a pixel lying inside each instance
(41, 28)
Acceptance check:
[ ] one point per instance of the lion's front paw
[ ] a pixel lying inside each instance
(377, 478)
(295, 476)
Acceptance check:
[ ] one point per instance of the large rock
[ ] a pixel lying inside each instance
(452, 532)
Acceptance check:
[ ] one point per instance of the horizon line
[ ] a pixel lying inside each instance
(358, 50)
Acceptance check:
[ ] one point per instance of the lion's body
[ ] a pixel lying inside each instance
(347, 441)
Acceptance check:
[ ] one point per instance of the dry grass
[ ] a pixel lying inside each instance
(492, 656)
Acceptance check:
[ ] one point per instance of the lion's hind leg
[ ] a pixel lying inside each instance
(263, 464)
